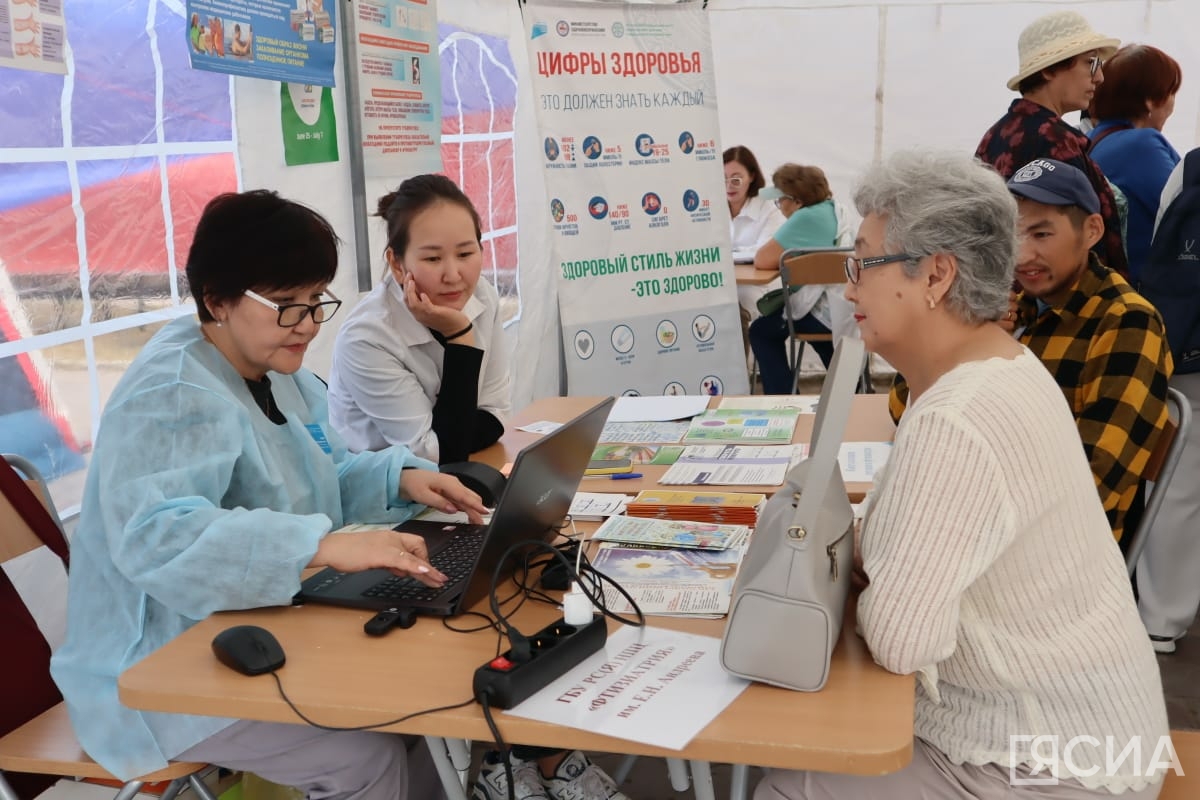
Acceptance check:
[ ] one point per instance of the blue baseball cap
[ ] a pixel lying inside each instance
(1055, 183)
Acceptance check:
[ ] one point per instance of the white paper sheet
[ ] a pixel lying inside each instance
(643, 687)
(541, 426)
(860, 461)
(597, 505)
(653, 408)
(730, 465)
(805, 403)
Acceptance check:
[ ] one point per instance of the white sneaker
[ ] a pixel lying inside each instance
(492, 781)
(577, 778)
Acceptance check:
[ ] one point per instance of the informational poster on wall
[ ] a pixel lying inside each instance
(399, 86)
(33, 35)
(627, 113)
(281, 40)
(307, 120)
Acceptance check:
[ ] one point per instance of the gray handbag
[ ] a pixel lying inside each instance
(786, 614)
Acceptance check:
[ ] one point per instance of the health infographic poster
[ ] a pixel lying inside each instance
(399, 86)
(627, 113)
(33, 35)
(283, 40)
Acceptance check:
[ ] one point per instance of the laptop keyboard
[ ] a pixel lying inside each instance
(455, 561)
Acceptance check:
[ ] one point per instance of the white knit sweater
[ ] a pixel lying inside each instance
(995, 577)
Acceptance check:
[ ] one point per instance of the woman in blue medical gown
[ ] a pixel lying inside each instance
(215, 480)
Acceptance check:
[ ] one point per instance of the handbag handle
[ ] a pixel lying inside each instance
(833, 411)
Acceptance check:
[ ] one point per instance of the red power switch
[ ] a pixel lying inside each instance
(501, 663)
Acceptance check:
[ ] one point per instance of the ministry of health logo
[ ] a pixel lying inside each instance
(618, 30)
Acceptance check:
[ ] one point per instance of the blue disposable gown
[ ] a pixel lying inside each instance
(196, 502)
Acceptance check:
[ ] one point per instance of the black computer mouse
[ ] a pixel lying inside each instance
(249, 649)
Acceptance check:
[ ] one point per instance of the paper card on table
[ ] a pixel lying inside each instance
(636, 453)
(667, 455)
(643, 432)
(642, 687)
(541, 426)
(666, 581)
(860, 461)
(730, 465)
(597, 505)
(769, 426)
(671, 533)
(656, 408)
(804, 403)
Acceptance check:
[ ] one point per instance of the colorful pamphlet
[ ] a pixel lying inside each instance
(725, 507)
(671, 533)
(669, 581)
(748, 426)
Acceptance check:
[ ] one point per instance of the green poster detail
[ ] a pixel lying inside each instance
(309, 127)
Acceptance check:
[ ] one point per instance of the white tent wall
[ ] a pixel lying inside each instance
(837, 83)
(533, 336)
(826, 82)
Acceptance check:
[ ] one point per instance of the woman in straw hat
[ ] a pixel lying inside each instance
(1062, 63)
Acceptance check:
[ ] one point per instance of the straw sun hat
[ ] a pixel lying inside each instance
(1056, 37)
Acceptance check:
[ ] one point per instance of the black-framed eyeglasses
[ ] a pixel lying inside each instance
(293, 314)
(779, 200)
(855, 266)
(1094, 65)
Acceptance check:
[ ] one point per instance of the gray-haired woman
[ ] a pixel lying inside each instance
(992, 572)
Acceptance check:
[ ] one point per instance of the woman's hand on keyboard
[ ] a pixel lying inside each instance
(402, 553)
(443, 492)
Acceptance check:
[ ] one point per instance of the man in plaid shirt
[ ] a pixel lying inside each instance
(1101, 340)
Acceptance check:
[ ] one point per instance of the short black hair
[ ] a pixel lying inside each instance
(261, 241)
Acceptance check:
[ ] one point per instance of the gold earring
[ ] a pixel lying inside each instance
(932, 303)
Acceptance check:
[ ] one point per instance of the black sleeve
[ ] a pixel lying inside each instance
(459, 424)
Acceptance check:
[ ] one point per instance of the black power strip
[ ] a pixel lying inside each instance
(504, 682)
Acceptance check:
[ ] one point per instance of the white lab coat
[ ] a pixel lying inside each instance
(387, 370)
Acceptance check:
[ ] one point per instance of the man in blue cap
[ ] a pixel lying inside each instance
(1102, 341)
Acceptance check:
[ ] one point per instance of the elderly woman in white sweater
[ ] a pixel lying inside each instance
(993, 574)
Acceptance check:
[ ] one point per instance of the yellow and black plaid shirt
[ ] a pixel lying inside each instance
(1105, 347)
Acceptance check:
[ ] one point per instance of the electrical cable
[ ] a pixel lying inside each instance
(370, 727)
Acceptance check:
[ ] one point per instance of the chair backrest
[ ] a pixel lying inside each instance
(1159, 470)
(805, 267)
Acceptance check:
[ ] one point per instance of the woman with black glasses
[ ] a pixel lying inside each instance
(215, 481)
(802, 194)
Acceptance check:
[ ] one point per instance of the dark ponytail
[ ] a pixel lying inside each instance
(413, 196)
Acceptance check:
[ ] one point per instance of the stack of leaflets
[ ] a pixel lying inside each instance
(738, 508)
(671, 533)
(692, 576)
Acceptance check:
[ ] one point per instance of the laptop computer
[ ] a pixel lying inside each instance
(536, 497)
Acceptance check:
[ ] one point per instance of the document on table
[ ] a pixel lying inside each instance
(667, 581)
(655, 408)
(773, 426)
(643, 687)
(860, 461)
(597, 505)
(643, 432)
(731, 465)
(804, 403)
